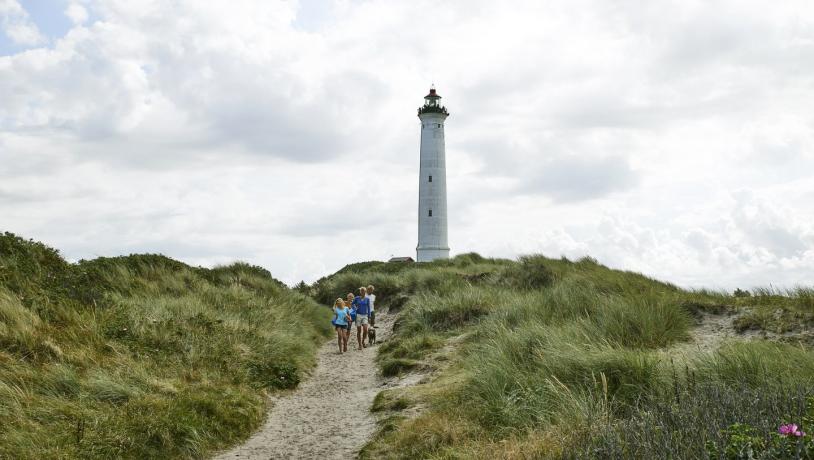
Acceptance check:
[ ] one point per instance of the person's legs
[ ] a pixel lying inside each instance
(364, 336)
(373, 319)
(345, 336)
(339, 336)
(359, 336)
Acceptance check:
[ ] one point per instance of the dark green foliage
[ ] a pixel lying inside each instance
(302, 288)
(32, 270)
(374, 267)
(531, 272)
(741, 443)
(741, 293)
(467, 259)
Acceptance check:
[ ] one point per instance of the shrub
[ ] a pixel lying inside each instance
(741, 293)
(531, 272)
(469, 258)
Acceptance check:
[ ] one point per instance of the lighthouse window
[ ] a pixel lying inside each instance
(439, 125)
(430, 178)
(430, 212)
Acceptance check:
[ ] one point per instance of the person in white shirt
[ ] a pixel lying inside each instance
(370, 295)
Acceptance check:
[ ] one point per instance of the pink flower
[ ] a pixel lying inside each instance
(791, 430)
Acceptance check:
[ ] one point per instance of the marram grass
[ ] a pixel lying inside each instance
(141, 356)
(551, 358)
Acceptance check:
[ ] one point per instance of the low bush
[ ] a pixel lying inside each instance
(531, 272)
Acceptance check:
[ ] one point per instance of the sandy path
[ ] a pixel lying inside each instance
(309, 423)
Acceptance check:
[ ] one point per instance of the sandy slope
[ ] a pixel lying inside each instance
(312, 422)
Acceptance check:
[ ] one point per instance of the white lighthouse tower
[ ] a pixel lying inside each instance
(432, 184)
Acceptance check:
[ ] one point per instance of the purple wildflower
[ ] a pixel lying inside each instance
(791, 430)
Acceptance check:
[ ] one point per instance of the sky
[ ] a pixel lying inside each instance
(672, 138)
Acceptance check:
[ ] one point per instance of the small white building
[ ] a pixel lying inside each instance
(432, 184)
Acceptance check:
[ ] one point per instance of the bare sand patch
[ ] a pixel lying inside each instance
(313, 422)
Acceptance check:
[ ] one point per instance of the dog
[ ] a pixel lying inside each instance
(371, 336)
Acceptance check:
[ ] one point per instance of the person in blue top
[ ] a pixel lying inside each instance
(362, 305)
(349, 304)
(340, 322)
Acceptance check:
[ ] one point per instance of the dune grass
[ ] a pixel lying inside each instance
(551, 358)
(141, 356)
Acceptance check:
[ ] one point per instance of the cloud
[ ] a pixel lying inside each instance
(766, 226)
(77, 13)
(572, 178)
(17, 26)
(673, 138)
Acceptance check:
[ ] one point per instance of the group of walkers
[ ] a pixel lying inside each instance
(358, 309)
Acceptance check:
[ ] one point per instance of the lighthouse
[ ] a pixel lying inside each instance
(432, 184)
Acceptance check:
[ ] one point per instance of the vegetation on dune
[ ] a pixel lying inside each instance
(141, 356)
(145, 357)
(780, 314)
(551, 358)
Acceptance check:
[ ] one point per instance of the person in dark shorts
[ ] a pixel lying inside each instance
(341, 322)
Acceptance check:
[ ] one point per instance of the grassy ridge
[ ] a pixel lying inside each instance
(141, 356)
(547, 358)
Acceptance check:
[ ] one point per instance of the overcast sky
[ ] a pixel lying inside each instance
(674, 138)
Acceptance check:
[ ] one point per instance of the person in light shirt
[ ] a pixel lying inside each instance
(372, 297)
